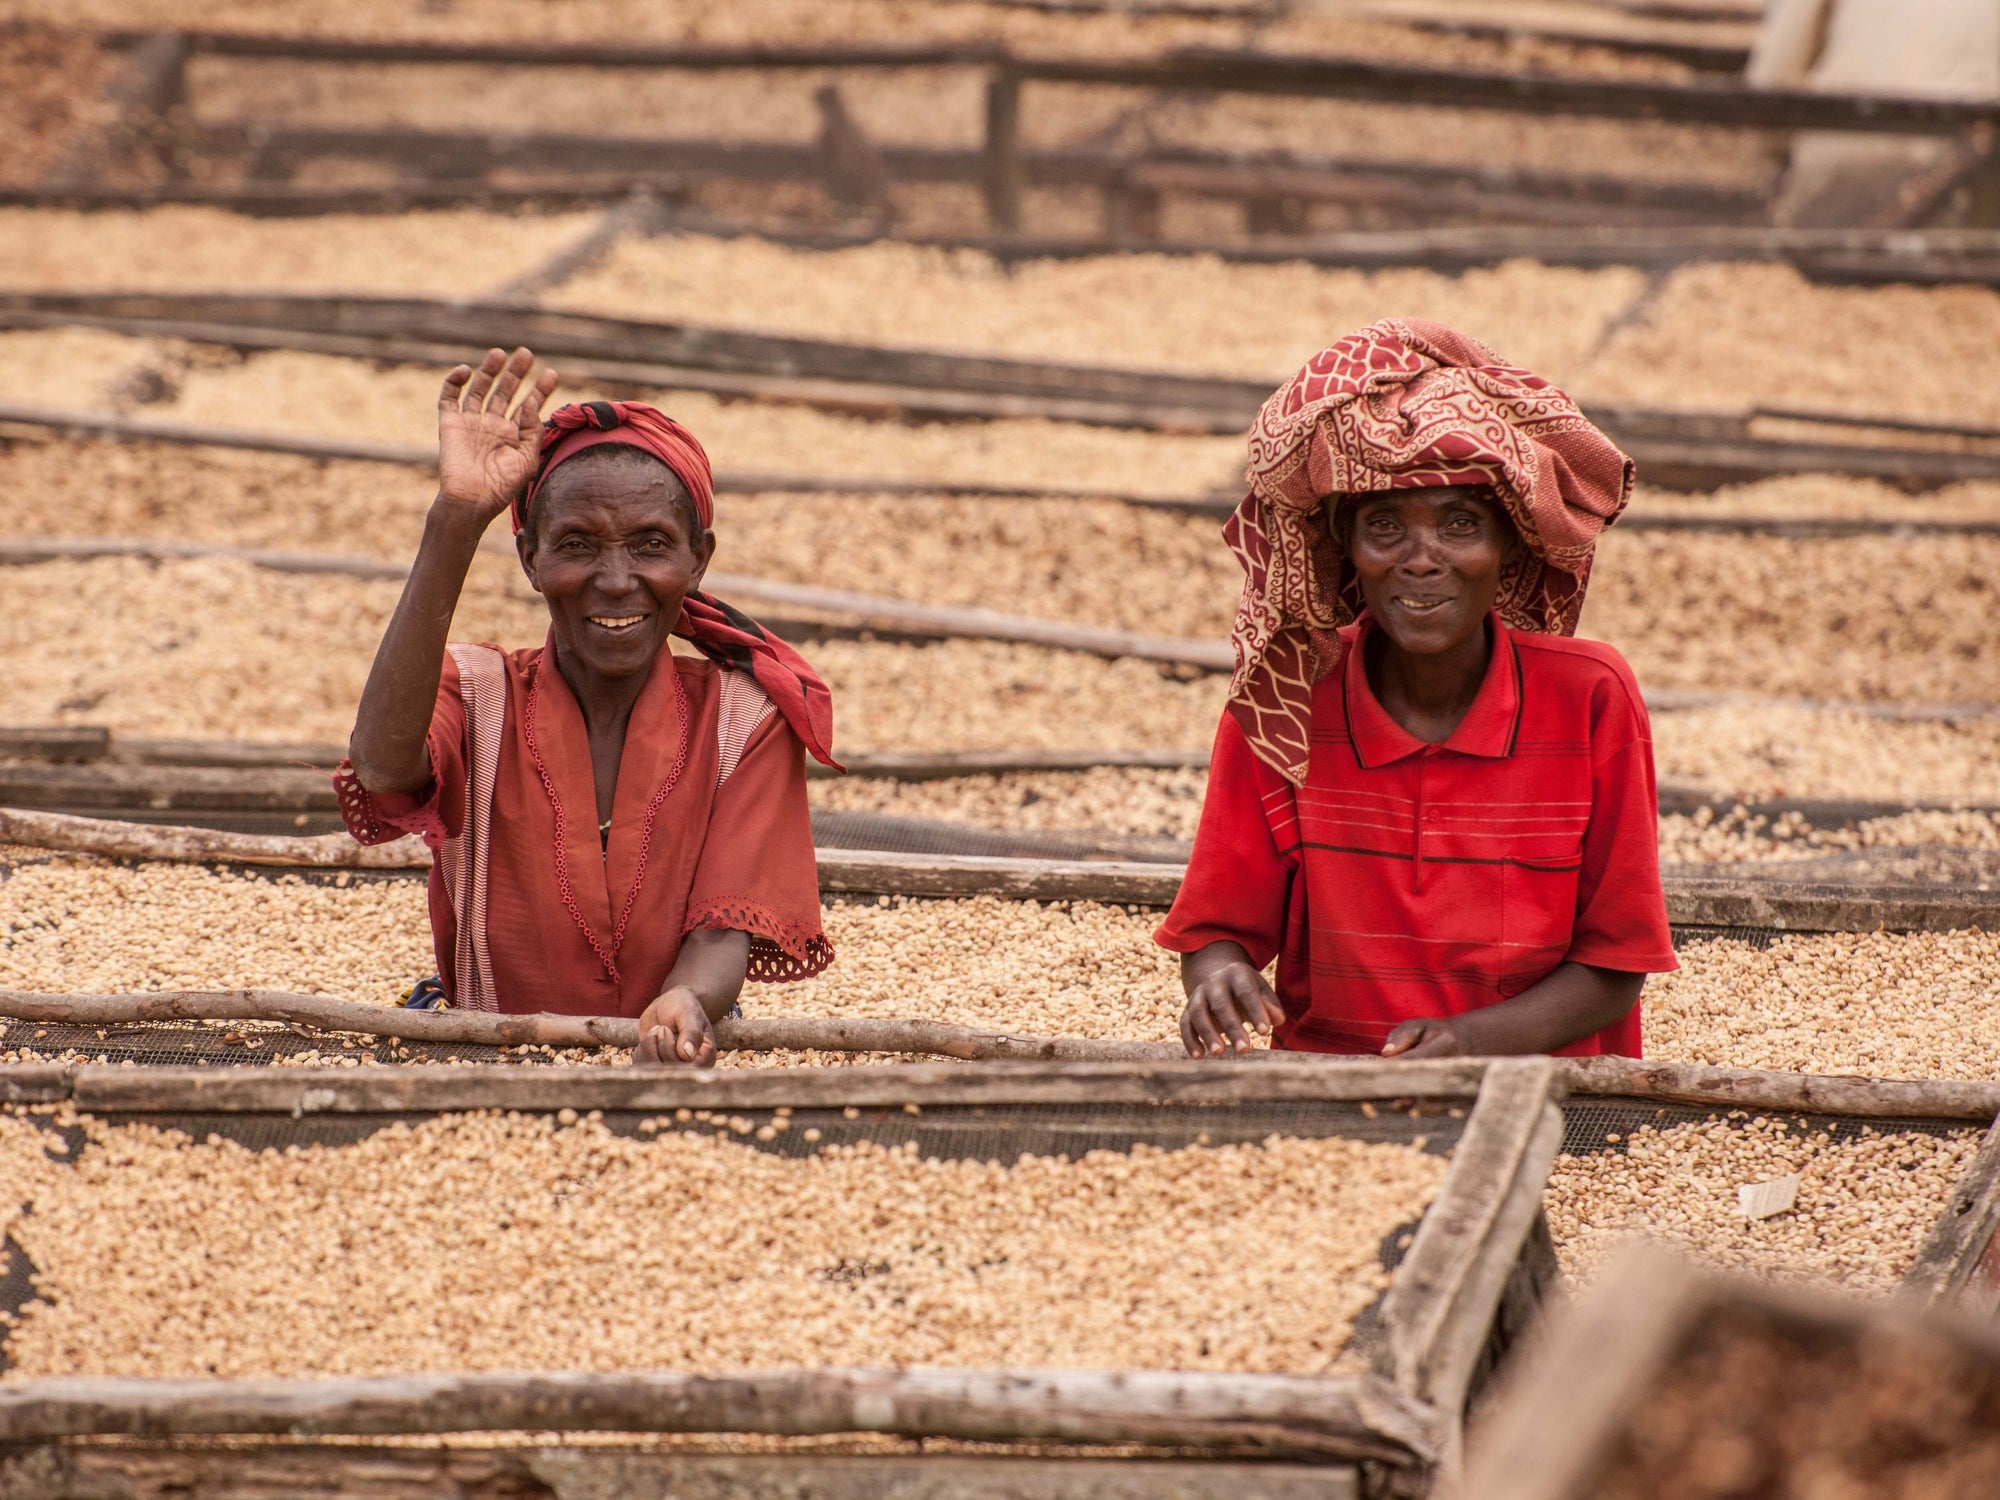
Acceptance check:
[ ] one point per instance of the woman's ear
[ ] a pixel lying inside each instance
(525, 548)
(704, 554)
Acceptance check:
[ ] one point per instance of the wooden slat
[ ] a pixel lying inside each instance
(135, 1470)
(296, 1091)
(1335, 1417)
(1439, 1310)
(1959, 1264)
(1735, 902)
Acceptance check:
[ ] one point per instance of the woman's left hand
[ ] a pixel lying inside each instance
(675, 1029)
(1433, 1036)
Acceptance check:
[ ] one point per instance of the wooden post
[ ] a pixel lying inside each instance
(1004, 171)
(1959, 1263)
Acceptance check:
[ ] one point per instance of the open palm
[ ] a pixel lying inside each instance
(486, 453)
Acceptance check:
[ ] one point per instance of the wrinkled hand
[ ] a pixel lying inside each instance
(1225, 1008)
(1433, 1036)
(486, 454)
(675, 1029)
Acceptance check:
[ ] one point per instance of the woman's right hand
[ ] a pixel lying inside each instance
(1224, 1006)
(486, 454)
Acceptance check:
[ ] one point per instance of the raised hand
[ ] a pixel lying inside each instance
(485, 453)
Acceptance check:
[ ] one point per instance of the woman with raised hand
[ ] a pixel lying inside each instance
(1427, 802)
(619, 830)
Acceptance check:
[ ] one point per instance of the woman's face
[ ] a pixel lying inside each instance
(1429, 563)
(611, 553)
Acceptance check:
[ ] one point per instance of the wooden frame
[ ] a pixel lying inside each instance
(1959, 1265)
(1558, 1416)
(1475, 1247)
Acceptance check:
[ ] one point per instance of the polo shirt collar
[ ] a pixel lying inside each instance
(1488, 728)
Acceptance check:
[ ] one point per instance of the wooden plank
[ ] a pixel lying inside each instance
(1800, 1093)
(1559, 1414)
(1337, 1417)
(126, 788)
(1440, 1308)
(134, 1470)
(63, 744)
(520, 190)
(340, 1091)
(557, 54)
(35, 1083)
(1698, 901)
(971, 623)
(872, 872)
(1694, 103)
(1959, 1264)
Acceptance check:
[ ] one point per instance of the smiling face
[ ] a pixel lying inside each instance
(1429, 562)
(610, 545)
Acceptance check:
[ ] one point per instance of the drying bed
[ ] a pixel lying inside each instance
(1455, 1282)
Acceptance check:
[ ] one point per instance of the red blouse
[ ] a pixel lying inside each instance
(1406, 880)
(529, 912)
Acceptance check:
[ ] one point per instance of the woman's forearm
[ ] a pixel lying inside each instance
(1573, 1002)
(712, 963)
(390, 728)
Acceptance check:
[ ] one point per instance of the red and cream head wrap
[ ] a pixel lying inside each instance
(1401, 404)
(721, 633)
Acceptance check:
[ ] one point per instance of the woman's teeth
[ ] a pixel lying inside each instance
(1422, 606)
(616, 622)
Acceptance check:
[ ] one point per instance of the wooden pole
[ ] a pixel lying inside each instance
(119, 840)
(1354, 1417)
(1004, 173)
(481, 1028)
(1802, 1093)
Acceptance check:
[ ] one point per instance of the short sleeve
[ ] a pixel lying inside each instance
(434, 811)
(757, 873)
(1238, 880)
(1621, 906)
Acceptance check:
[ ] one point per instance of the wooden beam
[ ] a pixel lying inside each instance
(1355, 1417)
(1790, 1093)
(1439, 1310)
(135, 1469)
(557, 54)
(118, 840)
(1704, 103)
(486, 1029)
(122, 789)
(1959, 1264)
(1294, 1077)
(65, 745)
(548, 190)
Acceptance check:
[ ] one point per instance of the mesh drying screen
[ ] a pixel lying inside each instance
(215, 1044)
(1590, 1122)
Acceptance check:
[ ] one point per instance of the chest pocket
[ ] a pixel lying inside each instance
(1537, 914)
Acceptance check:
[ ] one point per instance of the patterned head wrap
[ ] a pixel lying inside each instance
(721, 633)
(1402, 404)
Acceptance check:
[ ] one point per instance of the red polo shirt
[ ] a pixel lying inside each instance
(1406, 880)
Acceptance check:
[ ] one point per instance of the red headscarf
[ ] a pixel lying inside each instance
(1401, 404)
(720, 633)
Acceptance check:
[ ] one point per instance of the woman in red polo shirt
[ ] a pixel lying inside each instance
(1427, 802)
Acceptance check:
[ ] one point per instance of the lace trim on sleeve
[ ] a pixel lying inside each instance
(780, 951)
(371, 823)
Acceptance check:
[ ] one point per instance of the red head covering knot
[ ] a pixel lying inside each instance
(1401, 404)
